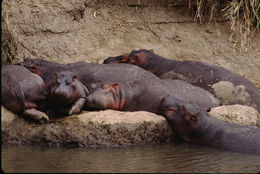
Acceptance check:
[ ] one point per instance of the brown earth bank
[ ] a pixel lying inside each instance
(77, 30)
(107, 128)
(84, 30)
(89, 129)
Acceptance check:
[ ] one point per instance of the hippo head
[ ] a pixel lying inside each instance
(105, 96)
(64, 90)
(38, 66)
(119, 59)
(186, 119)
(140, 57)
(31, 64)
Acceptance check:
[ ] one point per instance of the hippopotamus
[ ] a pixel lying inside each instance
(23, 92)
(145, 95)
(228, 87)
(87, 72)
(194, 125)
(67, 94)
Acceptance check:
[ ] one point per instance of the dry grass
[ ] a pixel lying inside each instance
(244, 16)
(7, 43)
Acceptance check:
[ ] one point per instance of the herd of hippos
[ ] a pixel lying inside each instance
(37, 89)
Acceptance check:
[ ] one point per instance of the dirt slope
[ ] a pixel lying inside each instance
(69, 31)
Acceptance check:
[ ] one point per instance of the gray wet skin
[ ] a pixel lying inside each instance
(87, 72)
(194, 125)
(23, 92)
(228, 87)
(145, 95)
(67, 93)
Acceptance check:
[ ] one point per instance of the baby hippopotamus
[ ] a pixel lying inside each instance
(145, 95)
(228, 87)
(67, 93)
(194, 125)
(23, 92)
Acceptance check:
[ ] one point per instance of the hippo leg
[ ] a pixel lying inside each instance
(29, 105)
(76, 108)
(38, 116)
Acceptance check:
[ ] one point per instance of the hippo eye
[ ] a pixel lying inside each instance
(172, 110)
(193, 117)
(68, 83)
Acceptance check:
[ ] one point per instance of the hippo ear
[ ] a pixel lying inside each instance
(55, 74)
(106, 86)
(75, 77)
(33, 69)
(115, 85)
(135, 59)
(125, 58)
(151, 50)
(93, 85)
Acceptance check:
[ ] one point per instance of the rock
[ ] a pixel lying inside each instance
(90, 129)
(227, 93)
(239, 114)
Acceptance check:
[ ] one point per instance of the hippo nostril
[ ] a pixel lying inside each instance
(59, 92)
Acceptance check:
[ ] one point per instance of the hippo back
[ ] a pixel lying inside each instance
(147, 94)
(91, 73)
(190, 93)
(19, 85)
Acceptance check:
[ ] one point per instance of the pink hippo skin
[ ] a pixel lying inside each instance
(145, 95)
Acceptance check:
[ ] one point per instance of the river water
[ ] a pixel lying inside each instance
(149, 158)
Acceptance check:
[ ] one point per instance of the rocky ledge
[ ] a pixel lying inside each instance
(107, 128)
(239, 114)
(89, 129)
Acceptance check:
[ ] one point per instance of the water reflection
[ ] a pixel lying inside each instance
(154, 159)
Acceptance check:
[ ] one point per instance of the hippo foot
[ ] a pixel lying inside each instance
(74, 110)
(38, 116)
(43, 119)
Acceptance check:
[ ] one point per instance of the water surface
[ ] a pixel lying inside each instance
(154, 159)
